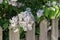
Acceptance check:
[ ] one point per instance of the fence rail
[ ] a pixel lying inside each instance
(30, 35)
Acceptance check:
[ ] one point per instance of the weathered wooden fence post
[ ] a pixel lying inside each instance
(1, 33)
(13, 35)
(59, 33)
(43, 30)
(54, 33)
(36, 37)
(30, 35)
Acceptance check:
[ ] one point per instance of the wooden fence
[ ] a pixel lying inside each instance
(30, 35)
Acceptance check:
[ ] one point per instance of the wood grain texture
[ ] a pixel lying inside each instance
(30, 35)
(37, 37)
(54, 33)
(13, 35)
(43, 30)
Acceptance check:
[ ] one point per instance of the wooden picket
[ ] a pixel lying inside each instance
(13, 35)
(59, 33)
(37, 37)
(30, 35)
(1, 33)
(43, 30)
(54, 34)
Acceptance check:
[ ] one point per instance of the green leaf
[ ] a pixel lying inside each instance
(52, 14)
(5, 26)
(46, 11)
(21, 30)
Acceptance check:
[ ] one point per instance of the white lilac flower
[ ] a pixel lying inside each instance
(25, 28)
(29, 16)
(54, 3)
(1, 1)
(13, 0)
(49, 28)
(59, 4)
(40, 13)
(13, 21)
(15, 3)
(20, 16)
(15, 18)
(52, 8)
(19, 4)
(12, 3)
(29, 26)
(26, 19)
(28, 9)
(48, 3)
(16, 30)
(24, 14)
(23, 25)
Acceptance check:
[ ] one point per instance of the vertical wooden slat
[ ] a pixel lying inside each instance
(30, 35)
(37, 37)
(54, 33)
(13, 35)
(59, 33)
(23, 39)
(43, 30)
(1, 33)
(59, 1)
(1, 1)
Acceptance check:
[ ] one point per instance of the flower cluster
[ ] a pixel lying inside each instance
(15, 3)
(40, 13)
(49, 3)
(24, 19)
(14, 23)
